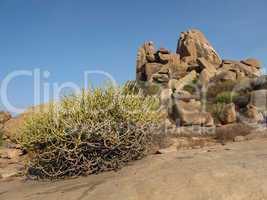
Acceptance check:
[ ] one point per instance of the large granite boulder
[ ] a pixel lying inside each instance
(179, 84)
(258, 98)
(190, 114)
(150, 69)
(252, 62)
(205, 64)
(240, 69)
(228, 114)
(144, 52)
(198, 118)
(208, 72)
(193, 44)
(189, 107)
(254, 115)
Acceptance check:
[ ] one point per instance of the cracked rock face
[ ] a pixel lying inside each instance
(193, 44)
(195, 66)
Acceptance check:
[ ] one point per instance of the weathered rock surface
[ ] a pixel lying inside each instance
(189, 114)
(259, 99)
(254, 115)
(208, 71)
(4, 117)
(147, 49)
(230, 131)
(252, 62)
(10, 153)
(234, 171)
(193, 44)
(13, 126)
(241, 70)
(178, 85)
(11, 162)
(151, 69)
(226, 75)
(195, 67)
(228, 114)
(198, 118)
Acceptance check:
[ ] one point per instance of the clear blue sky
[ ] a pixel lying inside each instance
(67, 37)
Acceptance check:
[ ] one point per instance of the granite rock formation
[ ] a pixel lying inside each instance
(195, 66)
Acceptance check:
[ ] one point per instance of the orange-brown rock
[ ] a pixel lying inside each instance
(228, 114)
(4, 117)
(150, 69)
(147, 50)
(193, 44)
(252, 62)
(164, 51)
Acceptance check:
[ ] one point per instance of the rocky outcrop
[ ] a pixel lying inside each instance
(195, 67)
(193, 44)
(194, 53)
(240, 69)
(146, 51)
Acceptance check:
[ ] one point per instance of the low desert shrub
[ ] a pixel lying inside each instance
(226, 97)
(84, 134)
(148, 88)
(190, 88)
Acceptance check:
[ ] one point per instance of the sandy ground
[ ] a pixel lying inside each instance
(234, 171)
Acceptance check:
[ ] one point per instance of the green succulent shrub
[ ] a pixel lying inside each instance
(190, 88)
(226, 97)
(141, 87)
(93, 132)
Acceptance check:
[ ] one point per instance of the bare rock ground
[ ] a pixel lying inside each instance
(234, 171)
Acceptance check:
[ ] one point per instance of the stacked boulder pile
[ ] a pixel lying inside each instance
(186, 78)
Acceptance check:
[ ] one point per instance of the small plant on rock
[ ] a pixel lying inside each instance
(226, 97)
